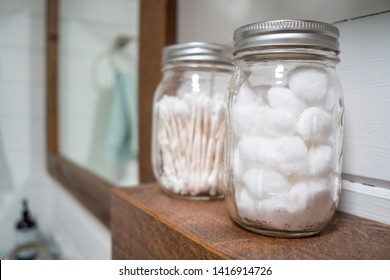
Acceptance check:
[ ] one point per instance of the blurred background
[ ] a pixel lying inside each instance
(98, 92)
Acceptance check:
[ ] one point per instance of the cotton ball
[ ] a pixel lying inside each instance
(263, 183)
(247, 95)
(314, 124)
(244, 119)
(288, 154)
(283, 98)
(307, 204)
(246, 205)
(317, 203)
(261, 92)
(319, 160)
(276, 212)
(284, 210)
(309, 83)
(252, 151)
(302, 195)
(236, 165)
(329, 100)
(276, 122)
(288, 202)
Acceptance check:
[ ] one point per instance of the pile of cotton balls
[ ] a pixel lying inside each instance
(285, 156)
(191, 134)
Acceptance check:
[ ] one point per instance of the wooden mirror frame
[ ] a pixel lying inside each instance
(157, 29)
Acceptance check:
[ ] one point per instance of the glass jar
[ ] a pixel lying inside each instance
(285, 128)
(189, 120)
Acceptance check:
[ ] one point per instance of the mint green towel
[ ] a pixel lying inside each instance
(122, 132)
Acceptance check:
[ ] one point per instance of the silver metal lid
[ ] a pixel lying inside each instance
(198, 51)
(281, 33)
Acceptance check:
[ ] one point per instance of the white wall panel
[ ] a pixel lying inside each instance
(18, 64)
(16, 30)
(21, 100)
(215, 20)
(364, 68)
(364, 71)
(23, 6)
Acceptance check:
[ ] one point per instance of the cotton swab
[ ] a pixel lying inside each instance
(191, 136)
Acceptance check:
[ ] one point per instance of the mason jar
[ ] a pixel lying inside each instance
(189, 127)
(284, 128)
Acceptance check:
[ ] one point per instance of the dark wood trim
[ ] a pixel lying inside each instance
(51, 76)
(148, 224)
(157, 29)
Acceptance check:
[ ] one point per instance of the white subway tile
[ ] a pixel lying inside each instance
(26, 6)
(21, 100)
(22, 31)
(22, 133)
(21, 66)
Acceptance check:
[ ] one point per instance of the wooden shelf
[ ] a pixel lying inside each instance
(148, 224)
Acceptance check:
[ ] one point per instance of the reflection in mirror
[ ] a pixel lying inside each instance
(98, 54)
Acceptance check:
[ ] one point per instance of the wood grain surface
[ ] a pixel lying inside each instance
(148, 224)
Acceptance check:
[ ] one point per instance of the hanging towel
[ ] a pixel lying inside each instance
(122, 131)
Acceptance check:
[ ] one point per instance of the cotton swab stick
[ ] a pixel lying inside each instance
(191, 136)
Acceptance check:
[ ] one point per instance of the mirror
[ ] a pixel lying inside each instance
(156, 29)
(98, 62)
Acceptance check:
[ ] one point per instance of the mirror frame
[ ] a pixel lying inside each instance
(157, 29)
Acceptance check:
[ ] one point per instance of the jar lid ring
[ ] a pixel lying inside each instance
(281, 33)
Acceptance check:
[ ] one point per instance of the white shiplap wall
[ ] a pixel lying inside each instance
(364, 71)
(215, 20)
(22, 142)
